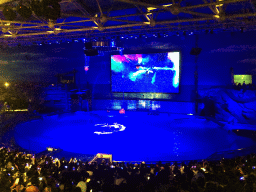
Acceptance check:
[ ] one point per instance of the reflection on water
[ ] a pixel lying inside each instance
(140, 137)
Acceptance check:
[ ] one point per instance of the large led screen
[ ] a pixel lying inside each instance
(154, 73)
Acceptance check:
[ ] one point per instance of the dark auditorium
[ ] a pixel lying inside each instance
(127, 96)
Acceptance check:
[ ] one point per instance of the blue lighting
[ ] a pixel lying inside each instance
(145, 137)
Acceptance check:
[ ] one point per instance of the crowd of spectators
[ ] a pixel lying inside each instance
(26, 172)
(244, 87)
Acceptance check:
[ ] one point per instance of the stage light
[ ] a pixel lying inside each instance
(51, 32)
(122, 111)
(86, 68)
(57, 30)
(5, 29)
(104, 19)
(175, 9)
(6, 84)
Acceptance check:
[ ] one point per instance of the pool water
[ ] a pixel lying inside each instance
(146, 137)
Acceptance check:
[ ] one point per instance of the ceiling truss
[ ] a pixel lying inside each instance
(145, 17)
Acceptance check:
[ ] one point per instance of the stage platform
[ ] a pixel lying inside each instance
(133, 136)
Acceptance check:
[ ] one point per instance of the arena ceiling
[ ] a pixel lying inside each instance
(28, 20)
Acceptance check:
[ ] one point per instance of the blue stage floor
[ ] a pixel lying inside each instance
(146, 137)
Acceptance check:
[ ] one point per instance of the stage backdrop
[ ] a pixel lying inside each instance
(220, 52)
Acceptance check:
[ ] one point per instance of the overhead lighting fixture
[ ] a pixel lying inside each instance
(57, 30)
(6, 84)
(220, 5)
(103, 19)
(51, 24)
(5, 29)
(175, 9)
(167, 5)
(151, 8)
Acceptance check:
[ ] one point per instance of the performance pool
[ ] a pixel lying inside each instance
(133, 136)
